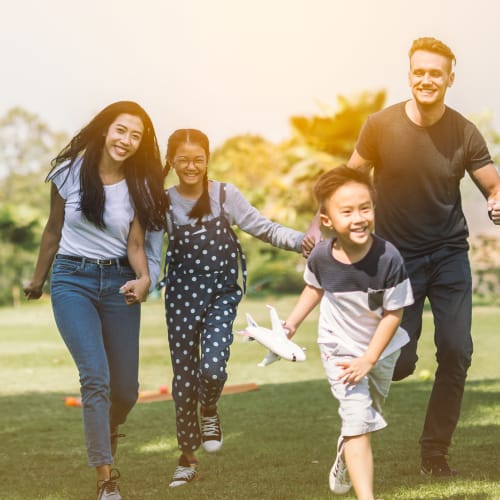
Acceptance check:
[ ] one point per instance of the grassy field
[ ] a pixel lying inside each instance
(279, 440)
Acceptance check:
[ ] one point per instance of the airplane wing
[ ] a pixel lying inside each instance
(271, 357)
(277, 327)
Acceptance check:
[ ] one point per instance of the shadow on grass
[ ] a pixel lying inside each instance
(279, 443)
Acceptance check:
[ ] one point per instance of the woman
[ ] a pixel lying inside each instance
(107, 189)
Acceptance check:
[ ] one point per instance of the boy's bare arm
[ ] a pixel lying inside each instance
(308, 300)
(357, 368)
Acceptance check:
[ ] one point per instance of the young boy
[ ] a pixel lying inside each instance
(363, 286)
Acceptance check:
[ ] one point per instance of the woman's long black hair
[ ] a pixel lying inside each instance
(192, 136)
(143, 170)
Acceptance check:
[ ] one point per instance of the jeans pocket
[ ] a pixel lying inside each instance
(127, 273)
(65, 267)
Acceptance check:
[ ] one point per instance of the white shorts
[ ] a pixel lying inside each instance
(360, 405)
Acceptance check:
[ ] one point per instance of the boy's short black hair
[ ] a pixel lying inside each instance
(335, 178)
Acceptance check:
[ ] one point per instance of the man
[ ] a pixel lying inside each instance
(419, 151)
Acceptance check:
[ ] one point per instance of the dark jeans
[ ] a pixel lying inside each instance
(444, 277)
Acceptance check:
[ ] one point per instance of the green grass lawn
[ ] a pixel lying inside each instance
(279, 441)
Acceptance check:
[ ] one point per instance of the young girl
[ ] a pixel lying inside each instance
(107, 188)
(202, 291)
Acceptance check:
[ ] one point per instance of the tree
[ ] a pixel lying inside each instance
(278, 178)
(26, 148)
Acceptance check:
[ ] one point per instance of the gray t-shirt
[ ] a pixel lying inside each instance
(356, 295)
(239, 212)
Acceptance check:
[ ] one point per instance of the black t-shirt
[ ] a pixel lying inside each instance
(417, 173)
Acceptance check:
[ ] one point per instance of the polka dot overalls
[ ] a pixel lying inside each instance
(201, 299)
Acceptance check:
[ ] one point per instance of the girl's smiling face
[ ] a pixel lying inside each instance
(190, 164)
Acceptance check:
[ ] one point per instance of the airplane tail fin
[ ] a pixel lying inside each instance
(251, 321)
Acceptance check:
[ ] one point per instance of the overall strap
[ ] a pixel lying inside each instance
(168, 253)
(243, 264)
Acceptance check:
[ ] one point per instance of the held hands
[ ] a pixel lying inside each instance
(136, 291)
(312, 236)
(494, 211)
(354, 370)
(308, 244)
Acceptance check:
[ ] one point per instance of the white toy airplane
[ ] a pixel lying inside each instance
(276, 340)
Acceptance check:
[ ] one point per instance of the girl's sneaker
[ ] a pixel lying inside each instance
(339, 477)
(211, 433)
(107, 489)
(184, 473)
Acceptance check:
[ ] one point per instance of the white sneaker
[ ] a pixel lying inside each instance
(183, 475)
(339, 477)
(107, 489)
(211, 433)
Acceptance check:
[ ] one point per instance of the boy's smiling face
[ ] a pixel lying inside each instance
(349, 212)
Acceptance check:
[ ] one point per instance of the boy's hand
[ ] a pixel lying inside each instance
(354, 370)
(290, 329)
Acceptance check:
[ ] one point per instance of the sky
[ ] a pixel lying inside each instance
(232, 67)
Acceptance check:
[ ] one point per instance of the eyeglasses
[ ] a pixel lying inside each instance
(183, 162)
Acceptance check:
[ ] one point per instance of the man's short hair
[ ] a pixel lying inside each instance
(431, 44)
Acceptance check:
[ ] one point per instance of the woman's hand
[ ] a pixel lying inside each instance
(136, 291)
(32, 291)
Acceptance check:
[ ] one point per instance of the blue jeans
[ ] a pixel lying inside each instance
(444, 277)
(102, 335)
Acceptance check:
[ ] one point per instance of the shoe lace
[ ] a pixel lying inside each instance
(109, 485)
(210, 426)
(183, 473)
(340, 471)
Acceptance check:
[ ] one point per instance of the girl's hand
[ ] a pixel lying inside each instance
(32, 291)
(354, 370)
(135, 291)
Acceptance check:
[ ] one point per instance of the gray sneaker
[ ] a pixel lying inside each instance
(107, 489)
(339, 477)
(184, 473)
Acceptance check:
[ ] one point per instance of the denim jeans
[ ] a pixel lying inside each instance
(102, 335)
(444, 277)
